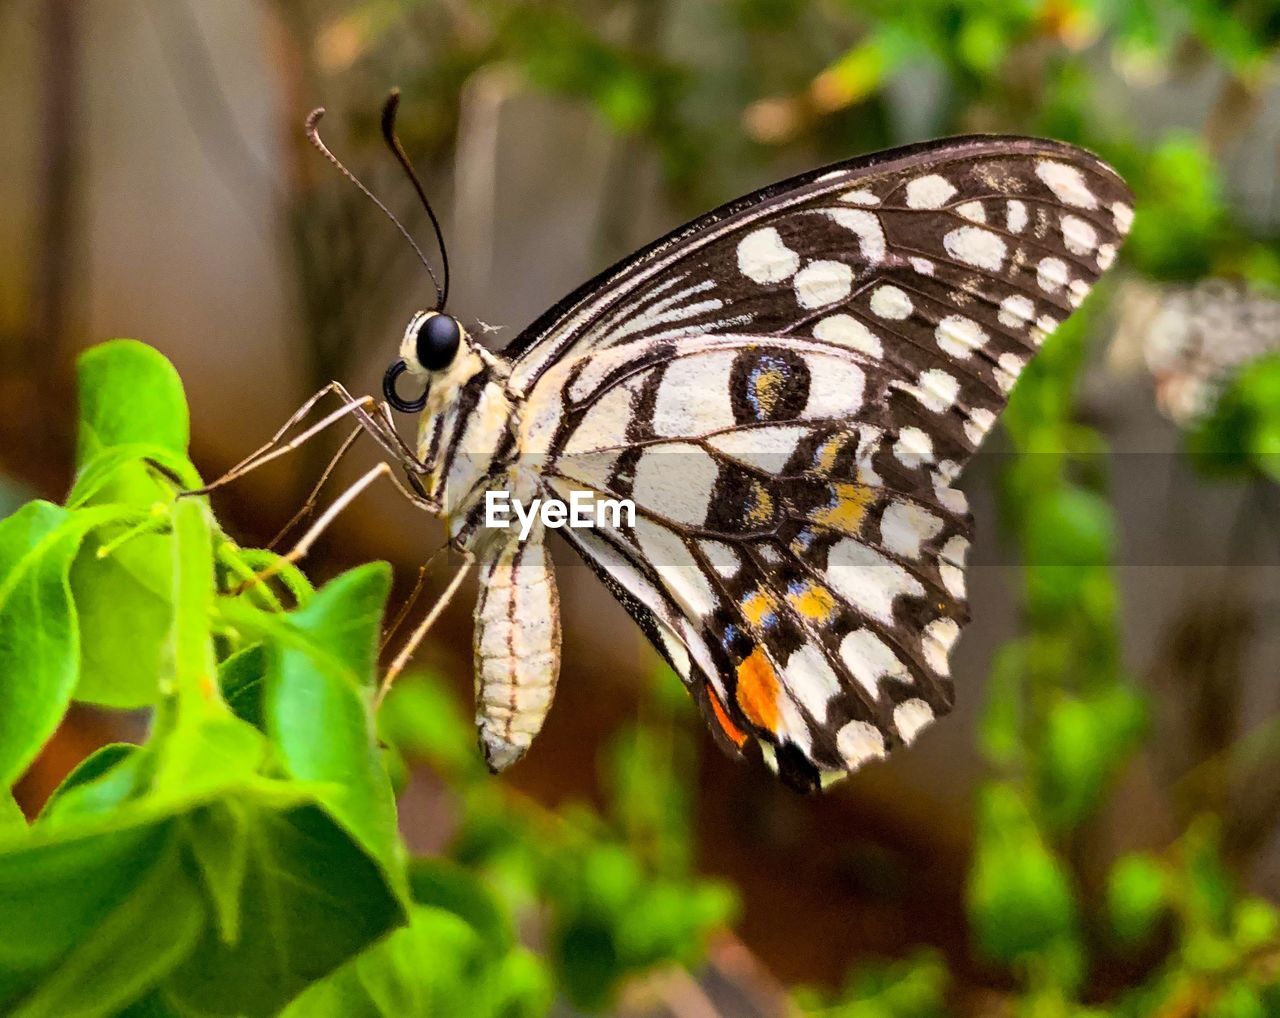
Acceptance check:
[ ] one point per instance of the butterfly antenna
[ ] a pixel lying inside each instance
(393, 142)
(313, 136)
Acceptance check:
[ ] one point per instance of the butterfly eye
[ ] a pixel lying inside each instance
(437, 341)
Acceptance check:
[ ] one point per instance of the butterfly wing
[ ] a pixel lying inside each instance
(786, 389)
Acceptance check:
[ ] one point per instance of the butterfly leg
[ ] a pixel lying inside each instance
(411, 645)
(313, 497)
(313, 533)
(403, 612)
(363, 409)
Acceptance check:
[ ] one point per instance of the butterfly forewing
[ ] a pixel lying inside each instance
(786, 388)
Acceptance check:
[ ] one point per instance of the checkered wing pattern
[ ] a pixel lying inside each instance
(787, 389)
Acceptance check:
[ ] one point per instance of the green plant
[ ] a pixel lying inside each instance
(246, 854)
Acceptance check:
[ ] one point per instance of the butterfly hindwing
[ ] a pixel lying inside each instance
(787, 389)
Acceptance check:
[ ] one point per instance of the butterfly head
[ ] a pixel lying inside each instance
(433, 344)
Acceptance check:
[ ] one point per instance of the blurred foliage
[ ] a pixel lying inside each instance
(1242, 435)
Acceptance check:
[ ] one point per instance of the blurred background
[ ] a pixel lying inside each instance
(1096, 825)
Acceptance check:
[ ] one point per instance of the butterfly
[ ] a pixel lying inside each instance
(786, 388)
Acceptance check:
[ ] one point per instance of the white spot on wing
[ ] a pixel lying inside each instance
(936, 642)
(866, 225)
(604, 425)
(676, 567)
(694, 395)
(1106, 255)
(860, 197)
(975, 246)
(869, 581)
(811, 680)
(1008, 367)
(958, 336)
(913, 447)
(1122, 214)
(978, 424)
(869, 659)
(763, 257)
(847, 331)
(972, 211)
(724, 560)
(905, 526)
(1051, 274)
(858, 742)
(1043, 329)
(676, 479)
(1015, 220)
(951, 565)
(677, 652)
(953, 498)
(936, 389)
(835, 388)
(1067, 183)
(928, 192)
(767, 448)
(890, 302)
(823, 282)
(1016, 311)
(1079, 236)
(909, 717)
(1077, 291)
(922, 266)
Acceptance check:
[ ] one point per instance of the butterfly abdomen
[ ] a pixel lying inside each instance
(517, 646)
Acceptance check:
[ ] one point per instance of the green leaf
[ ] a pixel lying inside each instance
(421, 716)
(242, 678)
(1241, 436)
(1257, 924)
(100, 783)
(39, 636)
(129, 951)
(138, 473)
(129, 394)
(1069, 526)
(321, 721)
(131, 401)
(219, 840)
(465, 976)
(310, 898)
(1001, 731)
(206, 758)
(194, 663)
(301, 894)
(59, 886)
(1137, 898)
(587, 962)
(1021, 903)
(1180, 219)
(120, 665)
(443, 884)
(11, 814)
(1085, 741)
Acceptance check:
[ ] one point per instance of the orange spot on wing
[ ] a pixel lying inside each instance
(736, 735)
(758, 691)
